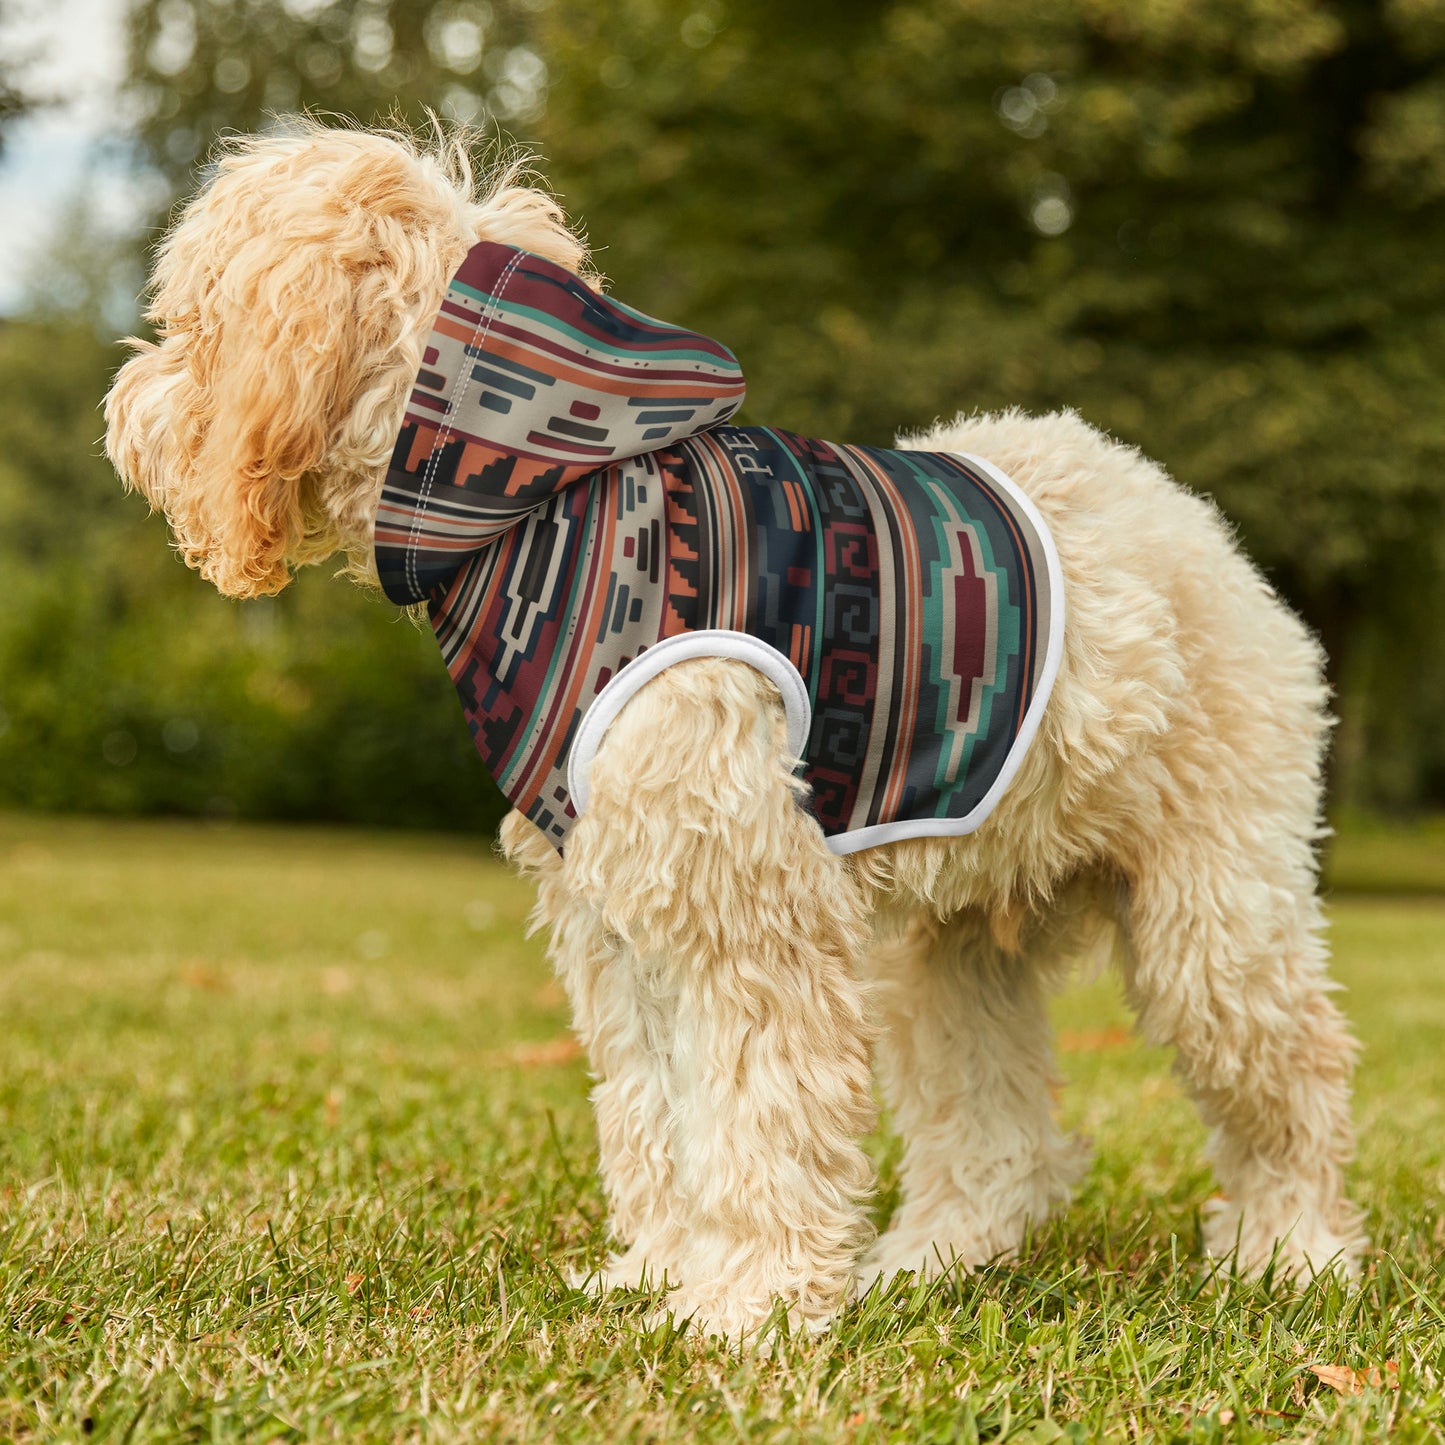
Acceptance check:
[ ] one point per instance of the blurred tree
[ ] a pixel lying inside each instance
(201, 67)
(15, 101)
(1216, 227)
(126, 684)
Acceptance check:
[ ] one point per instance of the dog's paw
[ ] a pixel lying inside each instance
(961, 1247)
(1298, 1245)
(923, 1259)
(633, 1270)
(740, 1323)
(965, 1228)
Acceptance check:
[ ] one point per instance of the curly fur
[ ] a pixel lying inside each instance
(729, 976)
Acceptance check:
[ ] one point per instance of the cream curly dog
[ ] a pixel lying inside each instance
(731, 977)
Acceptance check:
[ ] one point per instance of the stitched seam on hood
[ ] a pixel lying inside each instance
(479, 336)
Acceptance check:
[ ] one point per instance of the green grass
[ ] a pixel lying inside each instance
(289, 1150)
(1370, 855)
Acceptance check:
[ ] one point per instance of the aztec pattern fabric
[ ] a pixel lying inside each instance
(568, 500)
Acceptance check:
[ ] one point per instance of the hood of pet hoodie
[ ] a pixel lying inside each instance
(567, 499)
(532, 388)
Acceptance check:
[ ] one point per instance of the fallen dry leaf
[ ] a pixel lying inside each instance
(554, 1051)
(1347, 1381)
(354, 1282)
(1090, 1041)
(199, 974)
(551, 995)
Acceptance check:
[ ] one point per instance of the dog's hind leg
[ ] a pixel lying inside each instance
(698, 857)
(1228, 966)
(966, 1060)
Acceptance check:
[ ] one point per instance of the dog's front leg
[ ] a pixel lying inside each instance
(742, 932)
(622, 1012)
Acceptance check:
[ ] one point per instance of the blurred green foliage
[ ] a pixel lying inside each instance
(1215, 227)
(128, 686)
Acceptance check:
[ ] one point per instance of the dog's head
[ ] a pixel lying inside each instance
(291, 302)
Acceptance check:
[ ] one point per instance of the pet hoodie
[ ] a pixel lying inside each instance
(568, 499)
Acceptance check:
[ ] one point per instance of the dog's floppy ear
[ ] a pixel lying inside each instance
(289, 302)
(275, 355)
(150, 421)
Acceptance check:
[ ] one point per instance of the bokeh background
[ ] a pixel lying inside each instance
(1214, 227)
